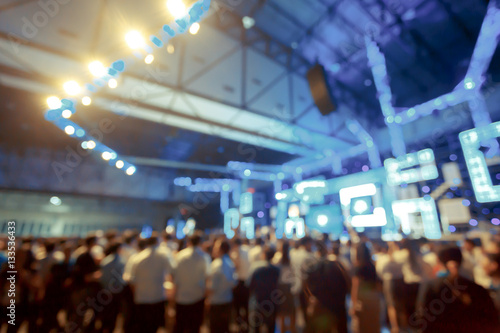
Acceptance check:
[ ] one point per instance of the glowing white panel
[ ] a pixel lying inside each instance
(246, 203)
(248, 226)
(476, 163)
(346, 194)
(402, 170)
(295, 224)
(427, 208)
(376, 218)
(300, 187)
(311, 191)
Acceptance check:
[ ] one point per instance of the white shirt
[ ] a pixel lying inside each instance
(126, 252)
(255, 254)
(390, 267)
(422, 275)
(148, 272)
(165, 249)
(190, 275)
(222, 280)
(241, 257)
(299, 260)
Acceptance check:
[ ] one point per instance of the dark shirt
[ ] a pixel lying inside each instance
(327, 283)
(264, 281)
(84, 265)
(366, 272)
(458, 306)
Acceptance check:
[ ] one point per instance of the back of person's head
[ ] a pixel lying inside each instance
(469, 244)
(153, 239)
(259, 241)
(321, 248)
(306, 242)
(112, 248)
(27, 240)
(49, 246)
(336, 248)
(196, 238)
(128, 238)
(451, 258)
(111, 234)
(166, 236)
(237, 242)
(90, 240)
(269, 253)
(224, 246)
(142, 244)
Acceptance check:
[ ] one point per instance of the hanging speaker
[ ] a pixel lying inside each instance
(320, 90)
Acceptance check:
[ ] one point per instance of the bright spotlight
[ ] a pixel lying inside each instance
(177, 8)
(170, 49)
(130, 171)
(248, 22)
(85, 145)
(72, 88)
(322, 220)
(194, 28)
(112, 83)
(67, 114)
(56, 201)
(91, 144)
(119, 164)
(54, 102)
(106, 155)
(149, 59)
(360, 206)
(469, 84)
(97, 69)
(86, 100)
(134, 39)
(70, 130)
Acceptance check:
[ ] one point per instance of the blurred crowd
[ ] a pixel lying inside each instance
(123, 282)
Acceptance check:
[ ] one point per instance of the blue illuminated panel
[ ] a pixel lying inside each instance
(427, 207)
(311, 191)
(326, 219)
(402, 170)
(246, 203)
(476, 163)
(375, 218)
